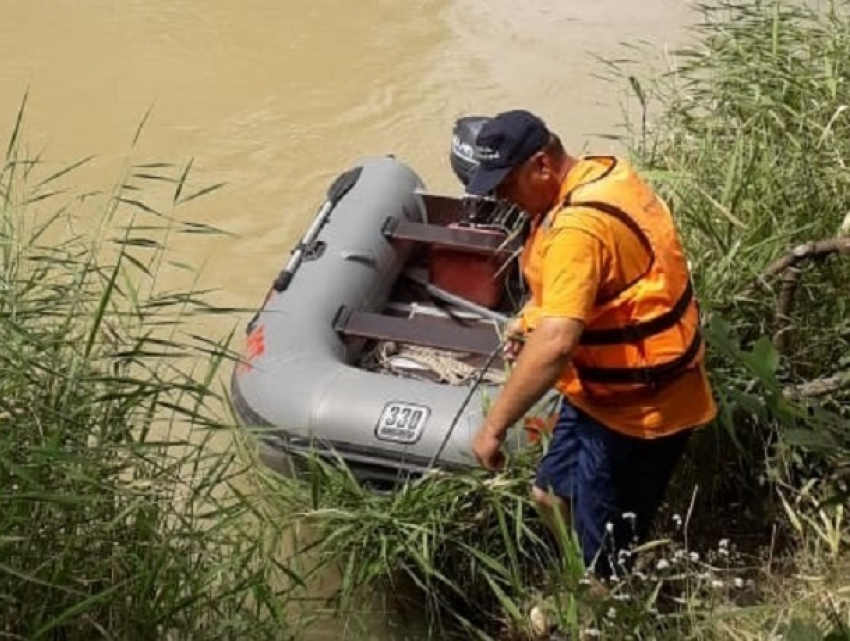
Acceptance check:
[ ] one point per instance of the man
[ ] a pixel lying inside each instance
(611, 323)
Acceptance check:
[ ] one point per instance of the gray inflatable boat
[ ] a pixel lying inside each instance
(367, 348)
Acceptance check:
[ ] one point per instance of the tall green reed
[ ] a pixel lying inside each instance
(749, 141)
(466, 553)
(752, 140)
(121, 513)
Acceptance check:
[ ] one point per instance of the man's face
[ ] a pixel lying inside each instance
(533, 186)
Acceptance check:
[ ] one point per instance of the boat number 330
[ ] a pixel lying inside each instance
(401, 422)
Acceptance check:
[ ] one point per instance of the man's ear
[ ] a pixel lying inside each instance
(543, 163)
(540, 159)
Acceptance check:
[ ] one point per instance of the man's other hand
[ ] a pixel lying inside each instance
(487, 448)
(514, 338)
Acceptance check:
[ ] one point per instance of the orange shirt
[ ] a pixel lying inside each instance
(589, 255)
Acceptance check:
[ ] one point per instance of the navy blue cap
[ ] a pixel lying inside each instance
(504, 143)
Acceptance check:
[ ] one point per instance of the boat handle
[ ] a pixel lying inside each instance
(364, 257)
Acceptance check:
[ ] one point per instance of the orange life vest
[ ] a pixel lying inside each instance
(648, 332)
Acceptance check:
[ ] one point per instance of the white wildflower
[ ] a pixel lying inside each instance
(592, 633)
(609, 528)
(662, 565)
(540, 623)
(716, 584)
(629, 516)
(612, 613)
(738, 582)
(496, 482)
(694, 556)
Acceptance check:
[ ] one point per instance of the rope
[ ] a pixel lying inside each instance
(446, 365)
(449, 367)
(478, 379)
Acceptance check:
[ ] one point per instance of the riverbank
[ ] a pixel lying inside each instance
(116, 524)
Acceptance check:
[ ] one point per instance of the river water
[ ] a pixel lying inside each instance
(276, 97)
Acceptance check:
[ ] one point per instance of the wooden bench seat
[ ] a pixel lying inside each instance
(457, 238)
(437, 333)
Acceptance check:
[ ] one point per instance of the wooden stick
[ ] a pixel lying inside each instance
(784, 305)
(811, 249)
(819, 386)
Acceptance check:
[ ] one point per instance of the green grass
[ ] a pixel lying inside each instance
(120, 511)
(462, 549)
(750, 146)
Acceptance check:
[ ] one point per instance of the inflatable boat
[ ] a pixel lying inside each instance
(379, 342)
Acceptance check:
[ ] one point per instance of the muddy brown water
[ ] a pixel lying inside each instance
(276, 97)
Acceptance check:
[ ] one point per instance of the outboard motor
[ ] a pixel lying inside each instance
(463, 154)
(479, 212)
(463, 272)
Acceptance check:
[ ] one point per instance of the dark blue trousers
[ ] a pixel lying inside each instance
(614, 484)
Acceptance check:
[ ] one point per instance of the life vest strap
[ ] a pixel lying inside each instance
(628, 221)
(620, 215)
(641, 331)
(650, 376)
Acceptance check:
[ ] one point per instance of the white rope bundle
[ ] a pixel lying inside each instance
(448, 366)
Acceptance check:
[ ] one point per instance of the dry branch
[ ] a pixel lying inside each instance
(819, 387)
(788, 266)
(784, 303)
(809, 250)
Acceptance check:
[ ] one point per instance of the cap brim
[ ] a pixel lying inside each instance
(485, 181)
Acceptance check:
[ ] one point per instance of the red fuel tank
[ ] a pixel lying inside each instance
(477, 276)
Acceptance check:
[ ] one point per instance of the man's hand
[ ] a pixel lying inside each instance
(514, 339)
(544, 356)
(487, 448)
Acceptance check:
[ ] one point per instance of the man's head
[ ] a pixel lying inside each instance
(519, 160)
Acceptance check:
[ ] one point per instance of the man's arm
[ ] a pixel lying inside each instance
(546, 353)
(571, 274)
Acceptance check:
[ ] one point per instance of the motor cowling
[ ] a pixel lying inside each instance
(464, 150)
